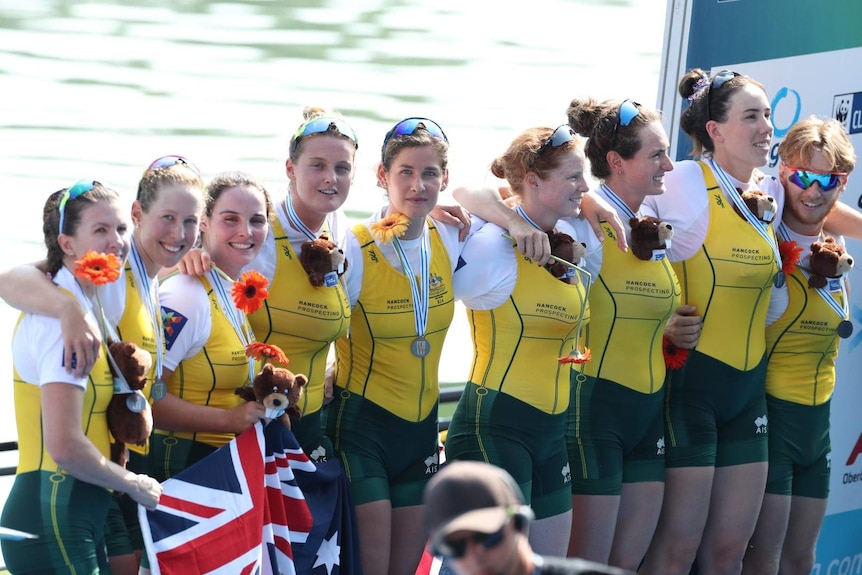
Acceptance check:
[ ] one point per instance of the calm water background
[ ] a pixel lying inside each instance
(98, 89)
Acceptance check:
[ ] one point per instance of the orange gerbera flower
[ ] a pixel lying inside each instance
(250, 291)
(790, 252)
(266, 352)
(98, 269)
(392, 226)
(674, 357)
(577, 356)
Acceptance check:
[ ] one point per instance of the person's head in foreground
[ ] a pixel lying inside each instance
(476, 518)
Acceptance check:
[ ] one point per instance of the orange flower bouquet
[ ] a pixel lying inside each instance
(392, 226)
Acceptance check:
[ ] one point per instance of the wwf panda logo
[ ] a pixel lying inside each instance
(841, 110)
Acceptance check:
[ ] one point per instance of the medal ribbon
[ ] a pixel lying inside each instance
(147, 290)
(293, 217)
(618, 203)
(730, 192)
(235, 316)
(843, 311)
(420, 296)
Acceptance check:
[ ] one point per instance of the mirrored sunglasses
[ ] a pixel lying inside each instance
(719, 80)
(627, 112)
(72, 192)
(321, 125)
(408, 126)
(456, 548)
(806, 178)
(168, 161)
(561, 134)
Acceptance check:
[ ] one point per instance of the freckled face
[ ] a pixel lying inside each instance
(560, 192)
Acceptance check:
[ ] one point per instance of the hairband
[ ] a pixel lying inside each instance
(699, 86)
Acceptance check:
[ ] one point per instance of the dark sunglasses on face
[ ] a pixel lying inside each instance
(321, 125)
(408, 126)
(558, 137)
(70, 194)
(456, 548)
(168, 161)
(719, 80)
(806, 178)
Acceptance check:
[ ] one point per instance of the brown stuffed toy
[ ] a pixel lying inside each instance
(129, 417)
(828, 260)
(762, 205)
(323, 261)
(566, 248)
(648, 234)
(279, 390)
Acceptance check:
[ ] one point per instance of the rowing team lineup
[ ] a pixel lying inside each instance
(643, 351)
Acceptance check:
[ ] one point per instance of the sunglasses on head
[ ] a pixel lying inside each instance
(408, 126)
(562, 134)
(72, 192)
(627, 112)
(719, 80)
(168, 161)
(806, 178)
(321, 125)
(456, 548)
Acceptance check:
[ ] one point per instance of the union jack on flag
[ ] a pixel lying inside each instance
(257, 506)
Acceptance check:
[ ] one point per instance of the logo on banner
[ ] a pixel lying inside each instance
(847, 109)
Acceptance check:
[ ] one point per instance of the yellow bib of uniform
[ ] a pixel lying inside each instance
(32, 453)
(630, 304)
(729, 280)
(803, 346)
(211, 375)
(301, 319)
(137, 326)
(376, 361)
(517, 344)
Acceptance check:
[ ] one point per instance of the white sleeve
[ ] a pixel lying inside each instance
(685, 206)
(37, 352)
(449, 236)
(487, 270)
(187, 315)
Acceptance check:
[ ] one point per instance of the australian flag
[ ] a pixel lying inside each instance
(257, 506)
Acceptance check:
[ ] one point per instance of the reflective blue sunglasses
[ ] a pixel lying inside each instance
(168, 161)
(806, 178)
(719, 80)
(72, 192)
(561, 134)
(321, 125)
(627, 112)
(409, 126)
(456, 548)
